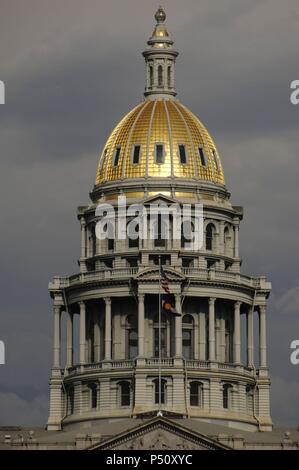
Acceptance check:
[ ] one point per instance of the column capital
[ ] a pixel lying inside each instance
(141, 297)
(212, 300)
(82, 304)
(57, 308)
(262, 308)
(82, 221)
(107, 300)
(238, 304)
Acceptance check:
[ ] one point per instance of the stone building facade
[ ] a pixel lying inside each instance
(213, 356)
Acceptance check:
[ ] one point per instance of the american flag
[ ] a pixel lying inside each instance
(164, 281)
(168, 298)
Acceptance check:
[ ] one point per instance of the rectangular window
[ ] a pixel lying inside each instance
(116, 156)
(136, 154)
(202, 156)
(215, 159)
(159, 153)
(183, 156)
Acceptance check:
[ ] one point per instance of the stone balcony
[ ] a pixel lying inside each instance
(153, 363)
(188, 273)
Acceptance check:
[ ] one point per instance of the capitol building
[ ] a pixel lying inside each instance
(123, 379)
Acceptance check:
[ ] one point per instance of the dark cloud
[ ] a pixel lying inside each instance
(72, 69)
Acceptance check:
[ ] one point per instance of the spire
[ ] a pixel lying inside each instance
(160, 61)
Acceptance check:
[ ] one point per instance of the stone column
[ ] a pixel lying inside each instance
(140, 325)
(69, 339)
(236, 241)
(250, 347)
(83, 245)
(83, 238)
(107, 329)
(237, 333)
(82, 332)
(178, 327)
(97, 336)
(212, 342)
(56, 337)
(262, 328)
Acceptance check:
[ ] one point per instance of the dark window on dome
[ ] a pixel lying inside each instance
(160, 75)
(182, 153)
(159, 153)
(202, 156)
(215, 159)
(136, 154)
(116, 156)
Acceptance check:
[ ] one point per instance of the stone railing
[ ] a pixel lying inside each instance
(154, 363)
(226, 276)
(128, 272)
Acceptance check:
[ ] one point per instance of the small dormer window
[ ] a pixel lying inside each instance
(216, 160)
(159, 154)
(136, 154)
(116, 156)
(202, 156)
(182, 154)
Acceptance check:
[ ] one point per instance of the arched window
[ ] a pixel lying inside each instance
(71, 400)
(93, 395)
(187, 234)
(187, 336)
(210, 230)
(227, 398)
(160, 75)
(169, 76)
(124, 393)
(163, 328)
(195, 394)
(157, 395)
(151, 76)
(132, 337)
(249, 399)
(133, 235)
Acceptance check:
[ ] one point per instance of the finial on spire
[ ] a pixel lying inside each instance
(160, 15)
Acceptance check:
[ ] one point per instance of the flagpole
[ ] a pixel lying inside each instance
(159, 413)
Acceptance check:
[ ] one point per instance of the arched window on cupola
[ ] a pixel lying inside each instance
(132, 337)
(169, 76)
(151, 76)
(196, 395)
(160, 75)
(210, 236)
(187, 336)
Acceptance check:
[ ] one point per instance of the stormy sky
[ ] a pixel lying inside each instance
(72, 69)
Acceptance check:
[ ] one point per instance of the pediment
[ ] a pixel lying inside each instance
(159, 199)
(159, 434)
(152, 273)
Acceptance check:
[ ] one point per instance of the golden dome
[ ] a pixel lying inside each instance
(187, 151)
